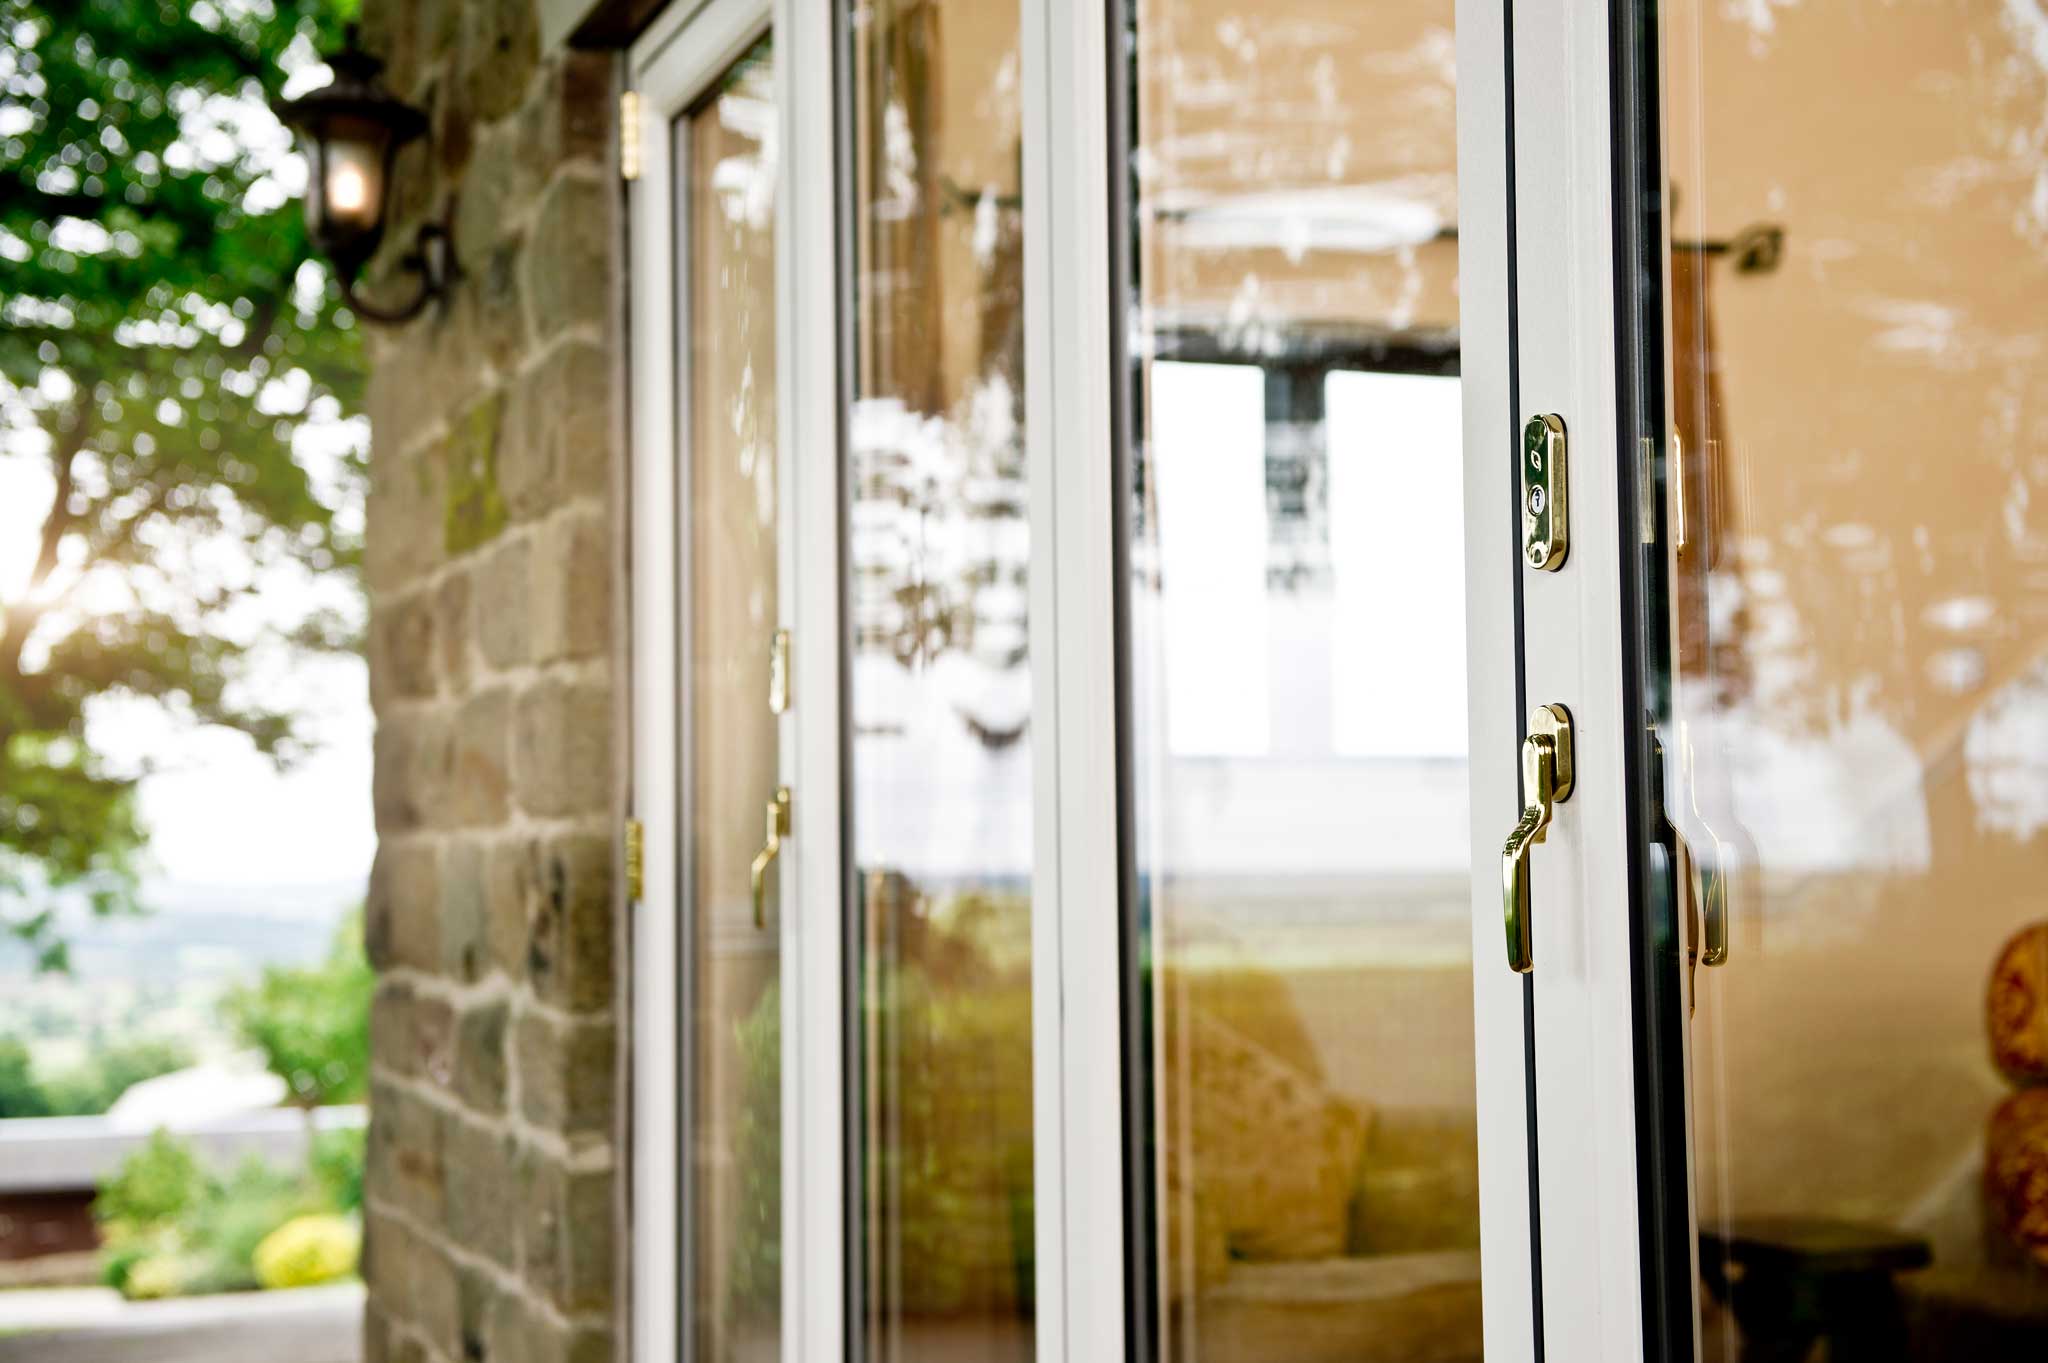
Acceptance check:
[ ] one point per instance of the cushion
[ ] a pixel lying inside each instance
(2016, 1007)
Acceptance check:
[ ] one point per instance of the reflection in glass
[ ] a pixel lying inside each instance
(734, 1106)
(1857, 739)
(1297, 666)
(939, 696)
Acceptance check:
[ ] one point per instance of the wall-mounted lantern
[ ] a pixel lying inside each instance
(351, 130)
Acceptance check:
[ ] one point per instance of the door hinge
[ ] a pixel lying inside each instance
(636, 861)
(629, 135)
(778, 674)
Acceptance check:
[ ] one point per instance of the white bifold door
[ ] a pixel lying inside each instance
(1336, 682)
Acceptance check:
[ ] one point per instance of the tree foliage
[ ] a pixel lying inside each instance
(163, 344)
(89, 1088)
(313, 1023)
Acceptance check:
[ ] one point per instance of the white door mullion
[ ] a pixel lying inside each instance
(1507, 1259)
(815, 904)
(1076, 932)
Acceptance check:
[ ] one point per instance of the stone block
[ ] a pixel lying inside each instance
(452, 630)
(480, 1057)
(495, 305)
(566, 885)
(473, 509)
(568, 264)
(517, 1330)
(402, 535)
(404, 1162)
(378, 1344)
(557, 444)
(412, 776)
(403, 648)
(391, 799)
(500, 50)
(479, 785)
(570, 115)
(412, 1034)
(465, 912)
(566, 1073)
(382, 1265)
(566, 1238)
(495, 195)
(401, 918)
(505, 607)
(571, 585)
(436, 1303)
(562, 749)
(482, 1176)
(505, 883)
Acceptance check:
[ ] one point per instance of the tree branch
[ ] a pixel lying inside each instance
(22, 615)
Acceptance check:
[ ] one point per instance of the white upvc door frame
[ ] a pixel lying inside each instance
(1509, 1267)
(1549, 243)
(1575, 648)
(1081, 1089)
(674, 64)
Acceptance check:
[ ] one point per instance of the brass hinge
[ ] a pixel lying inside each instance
(778, 674)
(629, 135)
(636, 861)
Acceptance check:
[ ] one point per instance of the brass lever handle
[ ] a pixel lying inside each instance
(1704, 882)
(778, 829)
(1705, 887)
(1546, 783)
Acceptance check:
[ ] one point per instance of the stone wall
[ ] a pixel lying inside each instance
(495, 1148)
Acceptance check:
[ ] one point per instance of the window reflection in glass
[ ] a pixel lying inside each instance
(939, 694)
(1858, 743)
(1297, 665)
(729, 167)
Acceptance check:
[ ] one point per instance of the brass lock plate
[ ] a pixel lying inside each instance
(1545, 524)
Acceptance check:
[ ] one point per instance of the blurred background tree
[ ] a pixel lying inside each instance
(312, 1023)
(165, 349)
(88, 1088)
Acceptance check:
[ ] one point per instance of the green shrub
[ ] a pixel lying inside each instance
(173, 1228)
(118, 1261)
(156, 1276)
(252, 1202)
(154, 1187)
(336, 1159)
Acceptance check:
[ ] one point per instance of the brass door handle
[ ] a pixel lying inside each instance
(1705, 888)
(778, 829)
(1546, 783)
(1704, 884)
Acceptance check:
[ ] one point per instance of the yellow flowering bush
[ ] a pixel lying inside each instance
(308, 1250)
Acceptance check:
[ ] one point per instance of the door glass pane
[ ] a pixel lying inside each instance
(939, 690)
(734, 1093)
(1296, 657)
(1857, 737)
